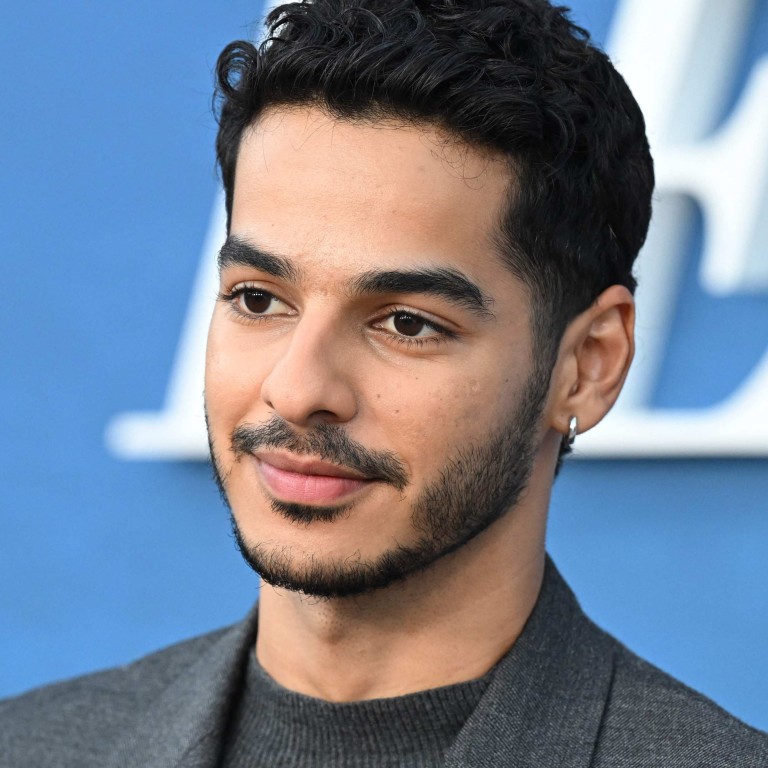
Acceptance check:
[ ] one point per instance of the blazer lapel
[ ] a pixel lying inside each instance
(184, 726)
(545, 703)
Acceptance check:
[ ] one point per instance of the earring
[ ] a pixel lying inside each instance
(573, 428)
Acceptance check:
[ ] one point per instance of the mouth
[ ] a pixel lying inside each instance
(307, 481)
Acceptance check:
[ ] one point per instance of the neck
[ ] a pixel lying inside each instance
(449, 624)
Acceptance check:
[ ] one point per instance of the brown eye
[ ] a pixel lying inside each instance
(257, 302)
(408, 325)
(410, 328)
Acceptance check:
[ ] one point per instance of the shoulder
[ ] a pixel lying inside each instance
(652, 720)
(70, 722)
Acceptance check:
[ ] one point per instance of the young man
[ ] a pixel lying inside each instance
(426, 294)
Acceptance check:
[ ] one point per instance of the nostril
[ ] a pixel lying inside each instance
(326, 416)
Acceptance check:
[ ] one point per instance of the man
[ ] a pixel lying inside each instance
(426, 294)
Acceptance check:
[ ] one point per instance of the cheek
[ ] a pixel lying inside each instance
(427, 417)
(432, 412)
(232, 378)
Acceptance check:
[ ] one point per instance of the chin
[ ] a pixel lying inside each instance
(325, 576)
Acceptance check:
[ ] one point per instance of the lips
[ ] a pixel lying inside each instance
(307, 481)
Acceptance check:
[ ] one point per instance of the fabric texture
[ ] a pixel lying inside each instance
(277, 728)
(567, 695)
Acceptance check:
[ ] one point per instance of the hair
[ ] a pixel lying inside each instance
(514, 76)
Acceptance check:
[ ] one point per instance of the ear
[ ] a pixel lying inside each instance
(593, 361)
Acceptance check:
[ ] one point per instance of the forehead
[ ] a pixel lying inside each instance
(367, 193)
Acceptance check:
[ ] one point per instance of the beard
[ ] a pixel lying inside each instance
(476, 486)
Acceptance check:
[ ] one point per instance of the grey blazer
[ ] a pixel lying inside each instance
(566, 696)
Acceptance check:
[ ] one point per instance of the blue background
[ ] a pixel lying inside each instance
(107, 186)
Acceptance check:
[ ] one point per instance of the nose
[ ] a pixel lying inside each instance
(310, 379)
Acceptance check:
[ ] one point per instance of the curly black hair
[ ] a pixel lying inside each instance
(516, 76)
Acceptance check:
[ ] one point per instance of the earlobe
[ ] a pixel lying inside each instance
(595, 355)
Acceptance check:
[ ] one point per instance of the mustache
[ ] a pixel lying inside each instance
(328, 441)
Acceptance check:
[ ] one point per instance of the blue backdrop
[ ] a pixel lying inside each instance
(107, 186)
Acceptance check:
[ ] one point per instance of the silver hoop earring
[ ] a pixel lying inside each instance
(573, 428)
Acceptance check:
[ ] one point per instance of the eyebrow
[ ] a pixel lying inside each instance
(449, 284)
(238, 253)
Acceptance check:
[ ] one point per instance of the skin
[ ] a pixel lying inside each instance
(337, 199)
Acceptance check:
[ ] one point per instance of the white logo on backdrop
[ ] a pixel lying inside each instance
(679, 59)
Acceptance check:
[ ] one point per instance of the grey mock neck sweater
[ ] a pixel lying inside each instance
(275, 727)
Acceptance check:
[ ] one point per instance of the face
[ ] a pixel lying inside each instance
(371, 394)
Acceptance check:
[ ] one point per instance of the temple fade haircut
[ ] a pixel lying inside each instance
(514, 76)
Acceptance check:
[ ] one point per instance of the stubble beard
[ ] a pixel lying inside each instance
(477, 485)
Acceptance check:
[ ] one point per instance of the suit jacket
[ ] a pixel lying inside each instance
(566, 696)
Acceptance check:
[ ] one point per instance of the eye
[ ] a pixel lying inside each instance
(260, 302)
(411, 325)
(252, 302)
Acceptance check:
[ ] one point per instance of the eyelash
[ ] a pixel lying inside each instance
(442, 334)
(230, 298)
